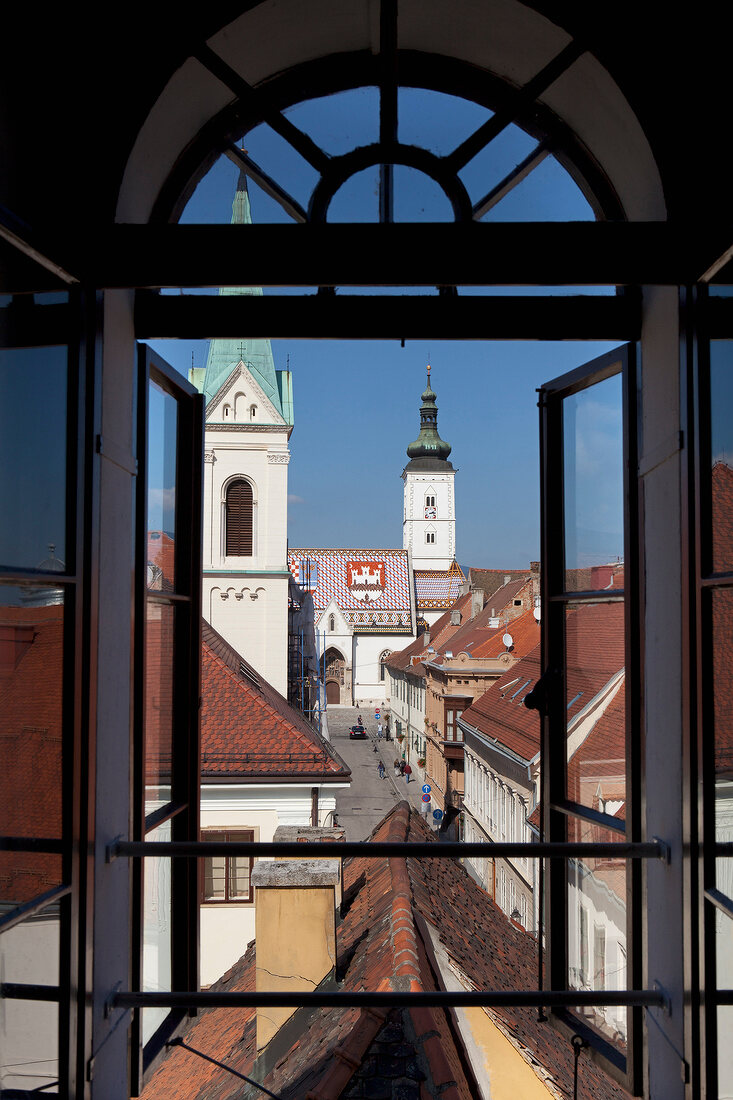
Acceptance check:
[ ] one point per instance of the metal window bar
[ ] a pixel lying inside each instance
(191, 849)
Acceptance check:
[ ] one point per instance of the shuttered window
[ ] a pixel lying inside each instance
(239, 521)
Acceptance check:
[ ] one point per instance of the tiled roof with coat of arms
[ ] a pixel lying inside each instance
(370, 587)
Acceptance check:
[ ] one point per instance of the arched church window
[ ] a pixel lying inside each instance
(383, 661)
(227, 412)
(239, 519)
(252, 411)
(430, 536)
(332, 623)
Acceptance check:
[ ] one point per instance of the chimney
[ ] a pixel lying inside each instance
(299, 834)
(455, 618)
(426, 637)
(507, 578)
(295, 932)
(477, 602)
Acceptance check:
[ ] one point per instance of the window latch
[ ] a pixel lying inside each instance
(539, 697)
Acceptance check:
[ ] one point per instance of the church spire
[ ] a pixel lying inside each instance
(428, 443)
(256, 354)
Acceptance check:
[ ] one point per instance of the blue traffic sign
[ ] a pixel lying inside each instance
(426, 788)
(426, 798)
(437, 814)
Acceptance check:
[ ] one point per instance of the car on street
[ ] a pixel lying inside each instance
(357, 733)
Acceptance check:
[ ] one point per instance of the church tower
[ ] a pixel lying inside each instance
(249, 420)
(429, 525)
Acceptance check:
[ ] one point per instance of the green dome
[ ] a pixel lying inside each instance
(428, 443)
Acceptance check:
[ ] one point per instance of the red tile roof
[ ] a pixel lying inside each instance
(249, 730)
(595, 654)
(439, 635)
(332, 1053)
(31, 649)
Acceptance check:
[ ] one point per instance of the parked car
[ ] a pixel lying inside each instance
(357, 733)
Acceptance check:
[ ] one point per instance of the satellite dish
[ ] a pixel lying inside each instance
(537, 613)
(508, 641)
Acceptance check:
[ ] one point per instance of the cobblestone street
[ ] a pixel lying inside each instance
(369, 798)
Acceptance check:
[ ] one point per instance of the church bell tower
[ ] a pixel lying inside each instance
(429, 524)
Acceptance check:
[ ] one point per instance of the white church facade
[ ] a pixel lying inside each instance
(249, 420)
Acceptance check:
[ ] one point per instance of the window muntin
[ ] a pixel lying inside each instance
(227, 879)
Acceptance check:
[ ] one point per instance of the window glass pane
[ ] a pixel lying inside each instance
(435, 120)
(156, 929)
(722, 653)
(279, 160)
(358, 199)
(594, 484)
(31, 681)
(721, 458)
(597, 931)
(29, 953)
(418, 198)
(215, 878)
(595, 703)
(341, 122)
(162, 452)
(724, 978)
(159, 681)
(239, 867)
(33, 457)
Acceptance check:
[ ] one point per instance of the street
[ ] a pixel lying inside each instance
(369, 798)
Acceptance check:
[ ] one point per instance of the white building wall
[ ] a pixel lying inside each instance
(227, 929)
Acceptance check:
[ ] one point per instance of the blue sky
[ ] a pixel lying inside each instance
(357, 402)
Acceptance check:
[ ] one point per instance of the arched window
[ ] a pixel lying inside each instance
(430, 536)
(382, 662)
(252, 411)
(239, 532)
(332, 623)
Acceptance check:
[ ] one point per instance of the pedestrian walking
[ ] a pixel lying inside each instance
(408, 773)
(379, 731)
(397, 768)
(380, 769)
(402, 767)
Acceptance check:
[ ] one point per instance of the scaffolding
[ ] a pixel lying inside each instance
(305, 683)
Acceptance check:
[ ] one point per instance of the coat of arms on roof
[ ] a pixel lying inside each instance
(365, 580)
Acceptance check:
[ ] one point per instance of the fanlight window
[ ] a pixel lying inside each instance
(239, 519)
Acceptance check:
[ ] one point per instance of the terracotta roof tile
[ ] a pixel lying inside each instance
(249, 729)
(351, 1052)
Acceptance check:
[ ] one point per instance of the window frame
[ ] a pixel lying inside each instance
(557, 810)
(182, 810)
(227, 835)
